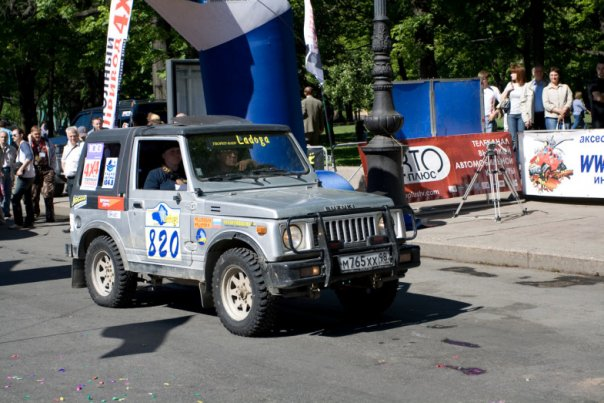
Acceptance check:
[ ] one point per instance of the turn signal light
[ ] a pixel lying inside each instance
(404, 257)
(310, 271)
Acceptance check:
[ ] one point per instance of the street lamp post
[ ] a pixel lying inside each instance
(384, 153)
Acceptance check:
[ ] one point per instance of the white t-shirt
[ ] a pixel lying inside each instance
(515, 97)
(491, 96)
(70, 159)
(26, 153)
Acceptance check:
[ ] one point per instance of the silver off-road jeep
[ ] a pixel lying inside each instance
(246, 233)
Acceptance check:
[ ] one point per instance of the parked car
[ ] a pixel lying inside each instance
(133, 112)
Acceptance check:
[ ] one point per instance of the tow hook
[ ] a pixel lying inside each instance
(314, 292)
(376, 281)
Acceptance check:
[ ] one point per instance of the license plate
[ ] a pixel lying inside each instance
(364, 261)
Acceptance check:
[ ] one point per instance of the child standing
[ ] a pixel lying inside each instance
(579, 110)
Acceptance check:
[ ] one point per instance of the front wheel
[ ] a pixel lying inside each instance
(109, 284)
(243, 303)
(367, 301)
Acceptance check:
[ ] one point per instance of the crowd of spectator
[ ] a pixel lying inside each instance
(29, 165)
(541, 104)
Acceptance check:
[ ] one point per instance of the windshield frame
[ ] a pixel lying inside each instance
(255, 177)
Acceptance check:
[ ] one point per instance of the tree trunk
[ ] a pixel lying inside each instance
(159, 84)
(424, 36)
(537, 21)
(26, 82)
(50, 113)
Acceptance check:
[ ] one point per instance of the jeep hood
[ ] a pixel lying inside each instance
(284, 203)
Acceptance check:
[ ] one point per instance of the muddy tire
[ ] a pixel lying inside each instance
(367, 301)
(242, 301)
(109, 284)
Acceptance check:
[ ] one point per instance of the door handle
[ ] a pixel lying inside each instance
(177, 198)
(137, 205)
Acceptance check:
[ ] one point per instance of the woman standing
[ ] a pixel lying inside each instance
(520, 116)
(25, 178)
(557, 101)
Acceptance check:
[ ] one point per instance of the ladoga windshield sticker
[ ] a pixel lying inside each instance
(162, 233)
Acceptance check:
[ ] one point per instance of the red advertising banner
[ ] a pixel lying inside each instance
(443, 167)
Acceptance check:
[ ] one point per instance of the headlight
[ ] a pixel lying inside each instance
(296, 237)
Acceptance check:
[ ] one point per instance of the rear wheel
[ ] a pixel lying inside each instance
(243, 303)
(367, 301)
(109, 284)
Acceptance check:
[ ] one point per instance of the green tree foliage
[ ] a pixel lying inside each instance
(54, 59)
(54, 49)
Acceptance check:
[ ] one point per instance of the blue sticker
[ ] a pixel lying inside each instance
(201, 236)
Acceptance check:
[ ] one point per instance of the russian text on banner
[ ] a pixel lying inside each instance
(563, 163)
(117, 35)
(443, 167)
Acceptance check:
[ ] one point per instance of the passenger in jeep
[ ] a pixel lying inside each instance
(170, 176)
(228, 161)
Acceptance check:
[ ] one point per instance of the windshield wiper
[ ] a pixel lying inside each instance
(264, 172)
(223, 177)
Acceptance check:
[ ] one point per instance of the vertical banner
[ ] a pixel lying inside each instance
(117, 35)
(313, 59)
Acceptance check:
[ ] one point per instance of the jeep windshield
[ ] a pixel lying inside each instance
(235, 156)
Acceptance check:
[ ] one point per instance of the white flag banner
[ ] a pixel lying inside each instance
(117, 35)
(313, 59)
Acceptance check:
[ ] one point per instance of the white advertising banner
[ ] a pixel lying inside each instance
(117, 34)
(565, 163)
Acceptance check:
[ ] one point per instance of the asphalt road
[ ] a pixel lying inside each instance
(461, 333)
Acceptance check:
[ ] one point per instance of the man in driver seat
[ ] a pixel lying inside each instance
(170, 176)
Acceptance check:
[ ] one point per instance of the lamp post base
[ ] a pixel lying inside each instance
(384, 168)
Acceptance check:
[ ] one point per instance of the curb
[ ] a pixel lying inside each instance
(513, 258)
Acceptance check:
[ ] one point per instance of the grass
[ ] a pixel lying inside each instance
(345, 156)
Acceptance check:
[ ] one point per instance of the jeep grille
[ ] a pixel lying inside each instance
(350, 230)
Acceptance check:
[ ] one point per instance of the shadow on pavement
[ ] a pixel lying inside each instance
(9, 276)
(326, 317)
(322, 317)
(142, 337)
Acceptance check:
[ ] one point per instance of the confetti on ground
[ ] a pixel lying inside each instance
(61, 370)
(460, 343)
(15, 357)
(466, 371)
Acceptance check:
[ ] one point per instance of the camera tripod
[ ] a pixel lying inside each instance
(494, 167)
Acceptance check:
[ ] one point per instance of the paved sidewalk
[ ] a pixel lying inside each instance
(558, 235)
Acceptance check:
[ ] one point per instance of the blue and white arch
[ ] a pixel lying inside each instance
(247, 57)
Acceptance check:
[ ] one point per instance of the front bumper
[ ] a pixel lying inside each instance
(293, 274)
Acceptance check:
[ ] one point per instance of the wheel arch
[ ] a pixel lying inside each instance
(224, 242)
(94, 232)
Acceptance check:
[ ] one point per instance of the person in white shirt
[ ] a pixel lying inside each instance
(7, 162)
(491, 97)
(537, 85)
(25, 178)
(71, 156)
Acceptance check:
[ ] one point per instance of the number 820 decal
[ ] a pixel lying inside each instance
(163, 243)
